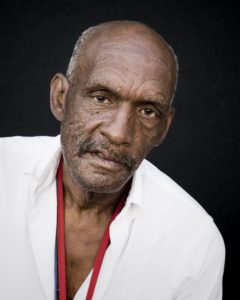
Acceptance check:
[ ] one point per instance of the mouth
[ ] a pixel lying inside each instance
(100, 153)
(106, 156)
(104, 160)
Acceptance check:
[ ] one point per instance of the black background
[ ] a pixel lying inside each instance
(201, 150)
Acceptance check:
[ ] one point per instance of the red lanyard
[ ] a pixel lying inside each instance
(61, 286)
(61, 242)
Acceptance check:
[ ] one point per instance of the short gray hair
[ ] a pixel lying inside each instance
(83, 38)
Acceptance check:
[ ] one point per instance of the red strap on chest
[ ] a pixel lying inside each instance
(61, 242)
(61, 286)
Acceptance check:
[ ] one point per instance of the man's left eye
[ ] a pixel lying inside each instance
(149, 112)
(100, 99)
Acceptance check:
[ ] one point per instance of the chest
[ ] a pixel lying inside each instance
(82, 242)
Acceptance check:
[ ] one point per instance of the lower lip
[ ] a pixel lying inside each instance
(98, 161)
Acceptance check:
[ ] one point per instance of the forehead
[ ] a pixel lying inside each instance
(124, 65)
(123, 84)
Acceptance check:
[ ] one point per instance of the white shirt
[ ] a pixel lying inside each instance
(164, 246)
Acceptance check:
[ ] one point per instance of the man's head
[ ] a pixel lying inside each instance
(115, 104)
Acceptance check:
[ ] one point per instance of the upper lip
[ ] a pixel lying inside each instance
(106, 155)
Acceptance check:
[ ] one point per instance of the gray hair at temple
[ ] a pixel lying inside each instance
(88, 33)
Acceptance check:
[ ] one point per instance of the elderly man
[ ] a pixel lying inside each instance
(85, 216)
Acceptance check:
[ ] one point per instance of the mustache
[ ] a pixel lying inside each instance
(97, 146)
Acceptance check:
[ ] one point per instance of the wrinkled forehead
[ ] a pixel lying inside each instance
(132, 56)
(129, 64)
(125, 41)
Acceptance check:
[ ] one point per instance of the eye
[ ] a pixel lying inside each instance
(149, 112)
(100, 99)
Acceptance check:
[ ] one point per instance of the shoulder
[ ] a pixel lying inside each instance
(169, 216)
(26, 145)
(17, 152)
(162, 191)
(168, 206)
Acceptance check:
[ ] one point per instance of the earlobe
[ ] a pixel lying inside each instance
(58, 92)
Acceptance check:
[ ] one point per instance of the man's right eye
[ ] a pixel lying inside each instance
(100, 99)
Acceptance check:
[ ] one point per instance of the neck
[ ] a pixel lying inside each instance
(82, 200)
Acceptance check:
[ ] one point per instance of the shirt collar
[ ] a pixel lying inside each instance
(47, 156)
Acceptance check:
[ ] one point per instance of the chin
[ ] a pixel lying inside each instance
(101, 184)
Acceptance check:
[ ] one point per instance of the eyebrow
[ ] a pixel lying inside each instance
(92, 86)
(101, 87)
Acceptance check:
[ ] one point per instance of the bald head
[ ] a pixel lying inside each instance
(127, 36)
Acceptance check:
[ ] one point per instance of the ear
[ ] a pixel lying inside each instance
(168, 122)
(58, 92)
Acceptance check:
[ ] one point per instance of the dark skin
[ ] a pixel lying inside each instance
(114, 111)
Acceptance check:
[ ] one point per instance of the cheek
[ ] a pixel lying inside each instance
(76, 122)
(158, 134)
(72, 132)
(141, 147)
(149, 138)
(80, 119)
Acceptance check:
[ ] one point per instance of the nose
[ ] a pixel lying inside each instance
(119, 125)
